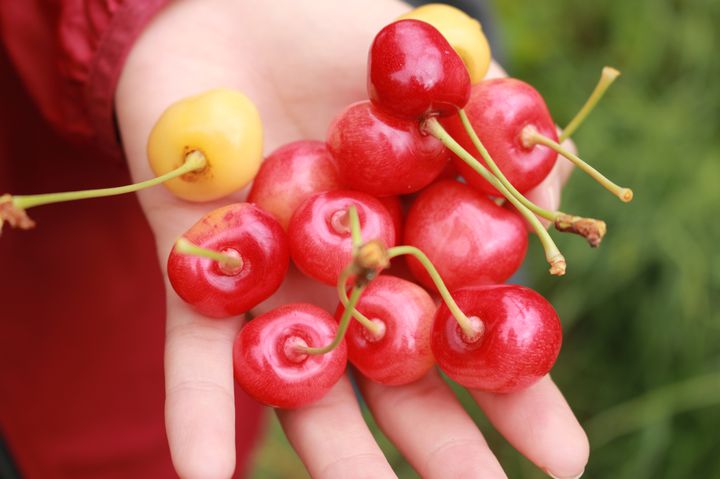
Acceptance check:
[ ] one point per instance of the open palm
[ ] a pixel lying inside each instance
(301, 63)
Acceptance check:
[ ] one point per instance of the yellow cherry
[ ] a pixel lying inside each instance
(221, 125)
(463, 32)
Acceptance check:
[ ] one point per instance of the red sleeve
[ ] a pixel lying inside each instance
(70, 53)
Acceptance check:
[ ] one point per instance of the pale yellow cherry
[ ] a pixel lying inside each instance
(462, 32)
(223, 127)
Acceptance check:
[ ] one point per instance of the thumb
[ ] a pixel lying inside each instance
(163, 67)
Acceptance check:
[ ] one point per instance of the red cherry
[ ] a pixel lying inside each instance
(240, 230)
(292, 173)
(404, 311)
(383, 155)
(469, 238)
(519, 339)
(413, 72)
(395, 207)
(499, 110)
(270, 368)
(319, 231)
(450, 172)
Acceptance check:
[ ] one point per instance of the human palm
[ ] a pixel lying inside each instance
(301, 63)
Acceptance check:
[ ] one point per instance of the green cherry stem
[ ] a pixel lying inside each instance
(531, 137)
(355, 231)
(195, 160)
(342, 294)
(229, 259)
(13, 208)
(342, 327)
(465, 324)
(357, 240)
(542, 212)
(552, 253)
(607, 77)
(591, 229)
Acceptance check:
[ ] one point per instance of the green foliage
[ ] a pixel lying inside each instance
(641, 358)
(642, 313)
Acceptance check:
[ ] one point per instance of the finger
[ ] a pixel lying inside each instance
(298, 288)
(200, 400)
(539, 423)
(495, 71)
(548, 193)
(565, 167)
(332, 439)
(429, 426)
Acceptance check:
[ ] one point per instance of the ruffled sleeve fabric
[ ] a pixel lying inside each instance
(70, 54)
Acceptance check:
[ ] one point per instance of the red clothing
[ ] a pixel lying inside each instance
(81, 296)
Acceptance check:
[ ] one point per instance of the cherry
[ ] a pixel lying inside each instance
(517, 338)
(319, 232)
(413, 72)
(395, 207)
(450, 172)
(463, 32)
(383, 155)
(469, 238)
(403, 313)
(201, 148)
(501, 110)
(291, 174)
(224, 127)
(221, 289)
(271, 363)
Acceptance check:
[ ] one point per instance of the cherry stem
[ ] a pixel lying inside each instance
(342, 294)
(231, 264)
(530, 137)
(355, 231)
(591, 229)
(552, 253)
(342, 327)
(195, 160)
(548, 215)
(464, 322)
(607, 77)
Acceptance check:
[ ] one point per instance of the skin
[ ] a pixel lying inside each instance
(286, 56)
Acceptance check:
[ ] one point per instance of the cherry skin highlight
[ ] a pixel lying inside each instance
(413, 72)
(270, 368)
(292, 173)
(319, 232)
(239, 229)
(519, 340)
(382, 155)
(402, 353)
(499, 110)
(470, 239)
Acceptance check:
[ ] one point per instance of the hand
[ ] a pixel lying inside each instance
(302, 63)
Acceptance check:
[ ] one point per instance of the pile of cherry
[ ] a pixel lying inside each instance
(437, 160)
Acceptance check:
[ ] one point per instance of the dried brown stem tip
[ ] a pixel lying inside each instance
(370, 258)
(589, 228)
(558, 265)
(16, 217)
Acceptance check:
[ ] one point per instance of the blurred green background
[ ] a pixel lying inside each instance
(641, 357)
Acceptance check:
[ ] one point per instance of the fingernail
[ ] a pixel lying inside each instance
(566, 477)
